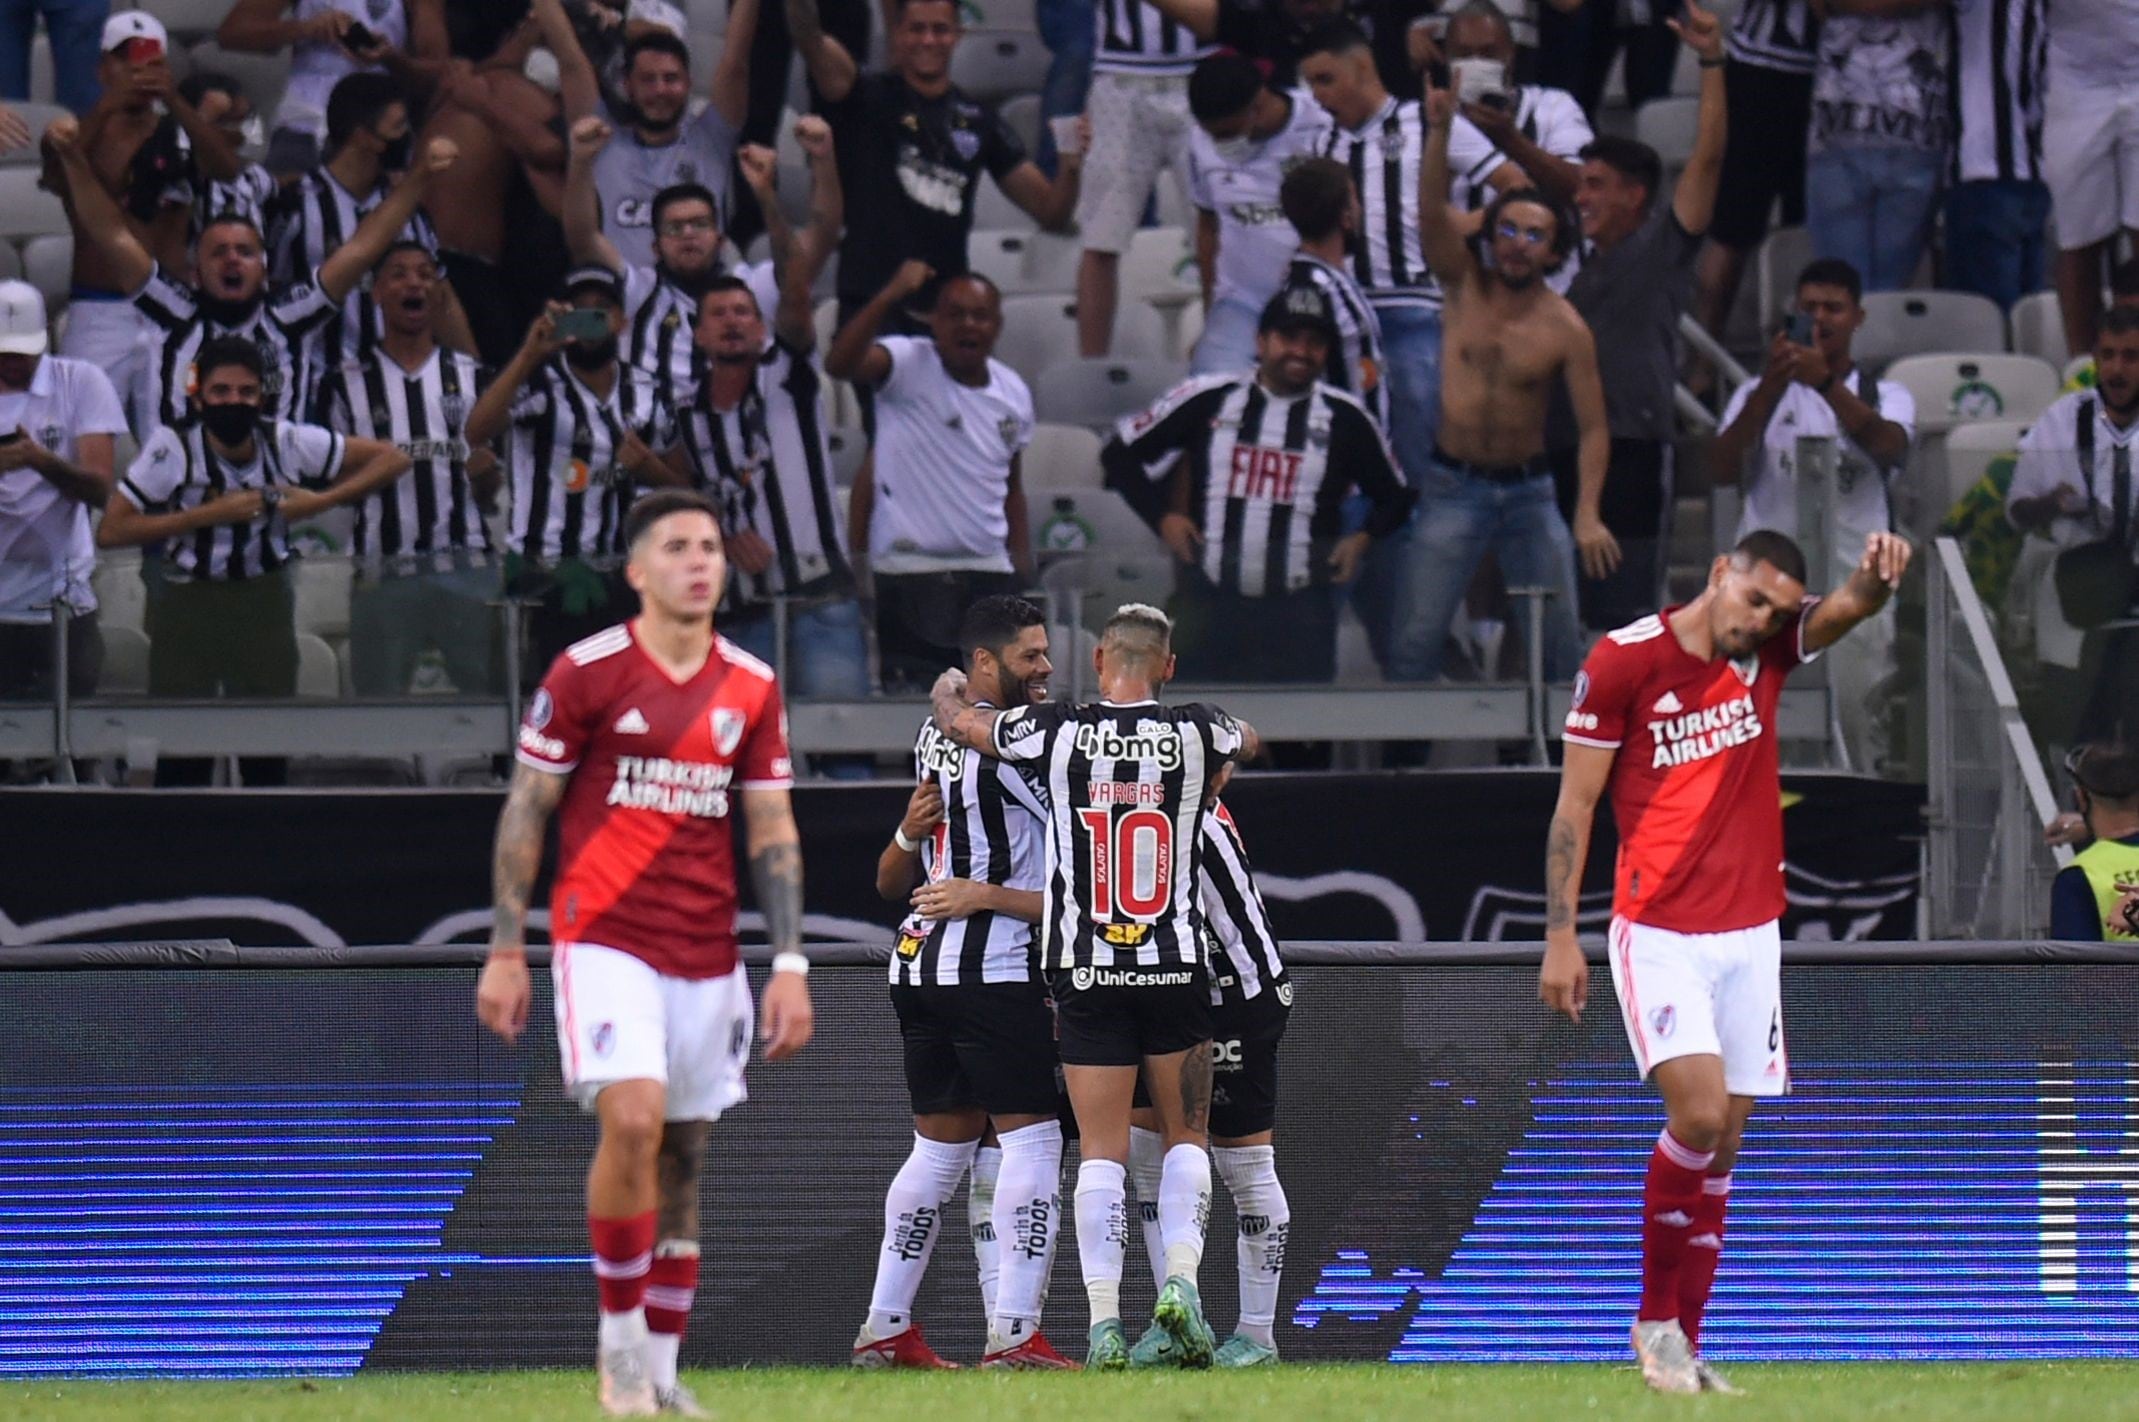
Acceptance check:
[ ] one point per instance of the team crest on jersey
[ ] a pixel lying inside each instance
(909, 947)
(540, 709)
(966, 142)
(604, 1039)
(1581, 689)
(454, 407)
(50, 436)
(380, 420)
(1007, 427)
(1748, 669)
(727, 729)
(1125, 935)
(1663, 1019)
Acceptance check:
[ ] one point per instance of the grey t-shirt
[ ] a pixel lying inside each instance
(1632, 296)
(628, 173)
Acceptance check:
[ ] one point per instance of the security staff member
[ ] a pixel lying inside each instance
(2095, 899)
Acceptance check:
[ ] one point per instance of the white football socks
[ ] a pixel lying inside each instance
(913, 1218)
(1147, 1154)
(1185, 1208)
(1102, 1233)
(1028, 1217)
(980, 1220)
(1250, 1175)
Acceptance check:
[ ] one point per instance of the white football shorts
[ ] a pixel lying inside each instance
(620, 1020)
(1705, 994)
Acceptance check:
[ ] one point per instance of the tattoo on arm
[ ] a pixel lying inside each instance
(1561, 873)
(1196, 1087)
(967, 725)
(776, 875)
(517, 855)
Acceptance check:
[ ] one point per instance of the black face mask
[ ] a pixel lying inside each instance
(591, 356)
(230, 314)
(394, 156)
(230, 424)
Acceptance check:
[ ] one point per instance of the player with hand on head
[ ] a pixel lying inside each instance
(1674, 717)
(638, 739)
(973, 1012)
(1128, 782)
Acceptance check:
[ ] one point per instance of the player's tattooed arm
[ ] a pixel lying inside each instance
(1563, 978)
(1878, 573)
(963, 722)
(516, 856)
(775, 865)
(1563, 871)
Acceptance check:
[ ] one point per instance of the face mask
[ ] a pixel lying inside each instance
(591, 357)
(230, 424)
(1234, 150)
(228, 314)
(394, 155)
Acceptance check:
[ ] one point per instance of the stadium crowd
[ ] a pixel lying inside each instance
(446, 287)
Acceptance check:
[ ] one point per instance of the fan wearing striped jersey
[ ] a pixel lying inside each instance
(974, 1016)
(1128, 780)
(1674, 718)
(1251, 997)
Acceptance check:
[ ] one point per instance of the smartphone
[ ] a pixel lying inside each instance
(1799, 331)
(357, 37)
(1479, 81)
(583, 325)
(11, 436)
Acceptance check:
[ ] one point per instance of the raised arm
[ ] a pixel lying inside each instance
(582, 214)
(831, 68)
(487, 420)
(828, 199)
(502, 994)
(345, 265)
(785, 1021)
(1599, 551)
(1446, 251)
(97, 218)
(263, 27)
(212, 149)
(1563, 980)
(960, 719)
(1862, 594)
(1050, 203)
(855, 354)
(578, 89)
(729, 89)
(1694, 202)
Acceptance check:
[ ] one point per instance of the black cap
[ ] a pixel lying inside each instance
(1298, 307)
(598, 277)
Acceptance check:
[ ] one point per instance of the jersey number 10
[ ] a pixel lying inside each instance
(1132, 863)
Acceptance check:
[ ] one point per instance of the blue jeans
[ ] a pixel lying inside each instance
(76, 28)
(1067, 29)
(1994, 238)
(1872, 207)
(1460, 517)
(1411, 365)
(826, 655)
(1228, 340)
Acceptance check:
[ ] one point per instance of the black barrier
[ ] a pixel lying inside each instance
(1392, 857)
(277, 1169)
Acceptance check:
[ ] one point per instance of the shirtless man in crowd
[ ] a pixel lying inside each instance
(1506, 338)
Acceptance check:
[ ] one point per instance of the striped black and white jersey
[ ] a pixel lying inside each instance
(569, 486)
(250, 195)
(2000, 48)
(994, 831)
(423, 413)
(768, 466)
(1550, 118)
(1126, 788)
(1267, 476)
(661, 322)
(311, 218)
(1383, 154)
(1782, 35)
(178, 469)
(1133, 37)
(285, 325)
(1355, 361)
(1245, 959)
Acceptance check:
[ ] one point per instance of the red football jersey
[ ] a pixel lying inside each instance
(646, 851)
(1696, 785)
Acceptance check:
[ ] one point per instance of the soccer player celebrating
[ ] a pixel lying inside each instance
(1675, 717)
(1128, 781)
(973, 1012)
(637, 738)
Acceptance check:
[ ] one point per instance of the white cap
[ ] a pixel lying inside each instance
(23, 329)
(132, 25)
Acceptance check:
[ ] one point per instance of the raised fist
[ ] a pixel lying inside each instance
(440, 154)
(814, 134)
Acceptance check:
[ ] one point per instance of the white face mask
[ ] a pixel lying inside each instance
(1234, 150)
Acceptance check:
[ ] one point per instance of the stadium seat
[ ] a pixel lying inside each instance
(10, 262)
(1051, 259)
(1971, 449)
(319, 671)
(26, 210)
(1017, 15)
(1956, 389)
(39, 117)
(1022, 114)
(1041, 331)
(1086, 588)
(1096, 393)
(1669, 125)
(126, 659)
(1062, 457)
(1906, 323)
(707, 14)
(263, 77)
(122, 599)
(993, 209)
(42, 86)
(999, 64)
(705, 45)
(322, 596)
(1007, 259)
(48, 265)
(1782, 257)
(1160, 262)
(2078, 366)
(188, 19)
(2039, 327)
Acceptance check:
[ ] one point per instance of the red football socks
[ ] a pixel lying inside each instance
(671, 1285)
(1704, 1250)
(1669, 1200)
(623, 1251)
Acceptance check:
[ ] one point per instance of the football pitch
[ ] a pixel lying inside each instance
(2008, 1392)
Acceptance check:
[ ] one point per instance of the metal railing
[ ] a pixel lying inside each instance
(1987, 870)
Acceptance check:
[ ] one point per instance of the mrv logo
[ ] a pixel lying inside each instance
(2088, 1147)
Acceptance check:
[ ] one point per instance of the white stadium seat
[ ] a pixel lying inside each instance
(2039, 327)
(1007, 259)
(1096, 393)
(39, 117)
(10, 263)
(1669, 125)
(126, 659)
(1016, 15)
(263, 77)
(999, 64)
(1062, 457)
(1906, 323)
(48, 265)
(319, 671)
(1971, 449)
(1782, 257)
(1041, 331)
(188, 19)
(992, 208)
(1022, 114)
(1161, 261)
(26, 210)
(1957, 389)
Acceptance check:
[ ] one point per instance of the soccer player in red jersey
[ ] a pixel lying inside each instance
(1674, 718)
(637, 739)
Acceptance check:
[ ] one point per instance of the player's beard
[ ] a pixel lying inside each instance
(1031, 691)
(2122, 409)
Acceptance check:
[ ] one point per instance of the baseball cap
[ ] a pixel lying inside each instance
(134, 25)
(23, 328)
(597, 276)
(1299, 306)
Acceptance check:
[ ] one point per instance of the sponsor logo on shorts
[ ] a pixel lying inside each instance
(1663, 1019)
(1124, 935)
(604, 1039)
(1284, 993)
(1084, 977)
(1225, 1056)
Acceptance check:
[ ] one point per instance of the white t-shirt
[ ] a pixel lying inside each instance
(1255, 242)
(943, 453)
(627, 174)
(316, 68)
(1860, 484)
(2050, 460)
(2093, 42)
(45, 543)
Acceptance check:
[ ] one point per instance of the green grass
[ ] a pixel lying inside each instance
(1990, 1392)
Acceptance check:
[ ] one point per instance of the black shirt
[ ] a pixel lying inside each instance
(910, 167)
(1264, 29)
